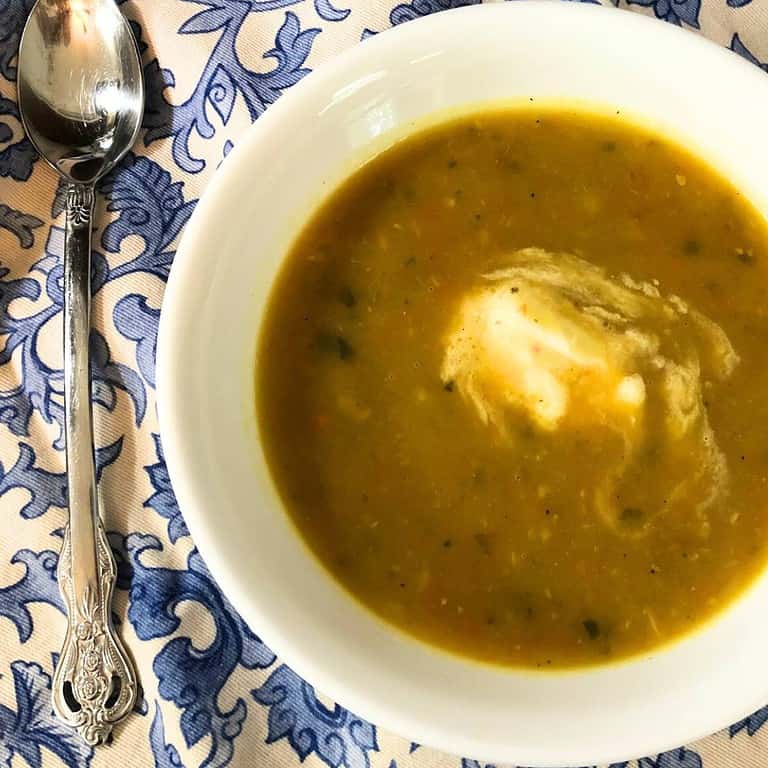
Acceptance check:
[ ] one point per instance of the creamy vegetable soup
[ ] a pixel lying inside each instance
(511, 387)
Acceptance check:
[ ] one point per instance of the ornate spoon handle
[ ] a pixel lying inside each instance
(94, 684)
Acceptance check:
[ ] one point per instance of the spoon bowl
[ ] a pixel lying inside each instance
(80, 88)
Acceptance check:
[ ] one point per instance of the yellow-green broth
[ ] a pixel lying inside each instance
(482, 535)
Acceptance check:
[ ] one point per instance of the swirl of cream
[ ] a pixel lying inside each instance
(556, 338)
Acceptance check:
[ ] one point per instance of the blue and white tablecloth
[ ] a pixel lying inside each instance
(214, 694)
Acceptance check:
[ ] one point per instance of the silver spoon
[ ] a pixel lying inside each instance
(81, 98)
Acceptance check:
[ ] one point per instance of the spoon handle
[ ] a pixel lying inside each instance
(94, 684)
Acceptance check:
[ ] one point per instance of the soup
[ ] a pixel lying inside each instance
(510, 387)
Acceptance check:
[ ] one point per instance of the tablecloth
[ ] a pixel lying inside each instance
(213, 694)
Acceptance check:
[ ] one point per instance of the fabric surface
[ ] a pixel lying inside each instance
(214, 694)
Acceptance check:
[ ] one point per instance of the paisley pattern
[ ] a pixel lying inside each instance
(214, 694)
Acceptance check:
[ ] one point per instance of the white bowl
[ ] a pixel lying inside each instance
(297, 152)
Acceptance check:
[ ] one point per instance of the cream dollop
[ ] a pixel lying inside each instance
(555, 338)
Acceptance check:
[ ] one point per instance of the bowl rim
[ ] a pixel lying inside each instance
(171, 325)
